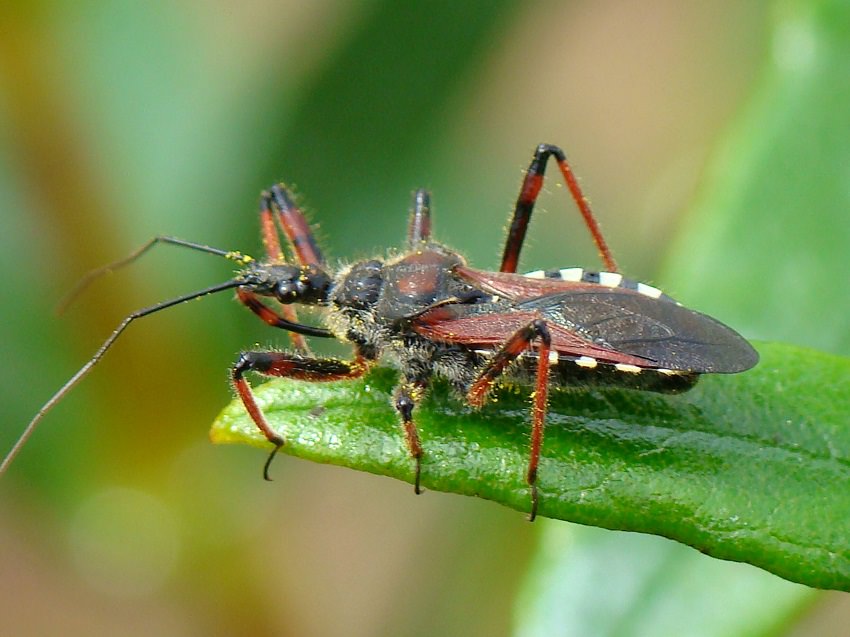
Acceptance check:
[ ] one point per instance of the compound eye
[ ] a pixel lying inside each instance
(289, 291)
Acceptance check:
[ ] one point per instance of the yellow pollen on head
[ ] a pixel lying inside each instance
(240, 258)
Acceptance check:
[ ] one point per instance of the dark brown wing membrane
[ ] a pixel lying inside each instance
(667, 334)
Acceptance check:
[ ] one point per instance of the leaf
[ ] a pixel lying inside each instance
(747, 467)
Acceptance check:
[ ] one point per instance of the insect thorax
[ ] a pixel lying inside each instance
(372, 304)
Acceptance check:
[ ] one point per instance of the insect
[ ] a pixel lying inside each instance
(429, 314)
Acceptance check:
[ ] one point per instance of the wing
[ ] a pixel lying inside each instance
(613, 325)
(659, 330)
(472, 327)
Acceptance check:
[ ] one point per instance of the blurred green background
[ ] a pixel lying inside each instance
(123, 120)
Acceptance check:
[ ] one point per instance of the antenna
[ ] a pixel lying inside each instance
(85, 369)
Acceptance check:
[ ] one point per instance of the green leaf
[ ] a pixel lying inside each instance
(747, 467)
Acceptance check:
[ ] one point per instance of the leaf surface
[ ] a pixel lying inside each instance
(750, 467)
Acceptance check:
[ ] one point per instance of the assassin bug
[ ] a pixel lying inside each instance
(429, 314)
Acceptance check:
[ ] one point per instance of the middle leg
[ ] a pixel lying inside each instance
(408, 394)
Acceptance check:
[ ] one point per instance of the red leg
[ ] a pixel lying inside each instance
(538, 421)
(269, 316)
(271, 241)
(419, 227)
(409, 393)
(279, 364)
(294, 225)
(518, 343)
(531, 186)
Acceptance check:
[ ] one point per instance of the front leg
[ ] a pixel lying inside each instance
(281, 364)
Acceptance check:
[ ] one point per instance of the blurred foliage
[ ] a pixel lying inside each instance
(585, 581)
(120, 121)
